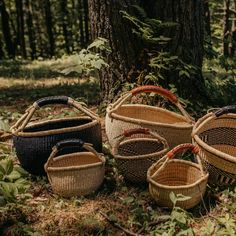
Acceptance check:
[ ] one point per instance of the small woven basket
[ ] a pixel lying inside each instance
(215, 135)
(175, 128)
(178, 176)
(75, 174)
(34, 141)
(136, 150)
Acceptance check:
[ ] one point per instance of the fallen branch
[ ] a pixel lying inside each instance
(117, 225)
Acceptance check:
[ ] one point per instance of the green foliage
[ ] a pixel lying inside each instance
(12, 182)
(88, 62)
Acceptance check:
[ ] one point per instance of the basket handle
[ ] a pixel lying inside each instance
(52, 100)
(226, 110)
(173, 152)
(211, 116)
(147, 89)
(70, 143)
(130, 132)
(24, 120)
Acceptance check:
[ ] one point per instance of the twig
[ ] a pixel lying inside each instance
(117, 225)
(156, 222)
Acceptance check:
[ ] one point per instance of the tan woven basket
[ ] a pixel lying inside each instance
(215, 135)
(178, 176)
(75, 174)
(136, 151)
(175, 128)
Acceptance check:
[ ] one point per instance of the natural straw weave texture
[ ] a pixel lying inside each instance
(215, 135)
(136, 151)
(175, 128)
(178, 176)
(75, 174)
(33, 142)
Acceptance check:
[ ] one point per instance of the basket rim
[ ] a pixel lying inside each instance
(143, 156)
(113, 115)
(68, 168)
(56, 131)
(199, 181)
(214, 151)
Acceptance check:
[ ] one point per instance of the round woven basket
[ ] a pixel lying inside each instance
(215, 135)
(33, 142)
(136, 150)
(177, 176)
(175, 128)
(75, 174)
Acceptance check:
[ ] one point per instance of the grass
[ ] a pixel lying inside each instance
(127, 205)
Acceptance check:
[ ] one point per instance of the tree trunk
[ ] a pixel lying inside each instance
(30, 26)
(86, 21)
(6, 29)
(81, 25)
(226, 28)
(207, 19)
(20, 27)
(186, 40)
(49, 25)
(64, 18)
(1, 50)
(107, 22)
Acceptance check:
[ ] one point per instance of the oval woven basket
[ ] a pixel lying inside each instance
(175, 128)
(215, 135)
(76, 173)
(177, 176)
(33, 142)
(136, 151)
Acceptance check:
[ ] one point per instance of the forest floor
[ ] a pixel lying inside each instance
(118, 207)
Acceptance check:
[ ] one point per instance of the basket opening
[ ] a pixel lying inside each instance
(76, 159)
(137, 147)
(150, 114)
(56, 124)
(178, 174)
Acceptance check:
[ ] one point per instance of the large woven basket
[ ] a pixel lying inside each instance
(136, 150)
(33, 142)
(215, 135)
(75, 174)
(175, 128)
(177, 176)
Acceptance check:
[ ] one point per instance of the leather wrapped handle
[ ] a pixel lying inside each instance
(69, 143)
(52, 100)
(182, 147)
(155, 89)
(226, 110)
(130, 132)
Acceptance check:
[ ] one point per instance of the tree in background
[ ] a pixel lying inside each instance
(127, 54)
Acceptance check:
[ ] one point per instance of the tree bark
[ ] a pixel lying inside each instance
(107, 22)
(30, 26)
(6, 29)
(49, 26)
(187, 40)
(233, 31)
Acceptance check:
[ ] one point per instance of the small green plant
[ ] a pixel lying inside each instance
(89, 61)
(13, 185)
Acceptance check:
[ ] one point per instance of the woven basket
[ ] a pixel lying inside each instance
(75, 174)
(33, 142)
(178, 176)
(215, 135)
(136, 151)
(175, 128)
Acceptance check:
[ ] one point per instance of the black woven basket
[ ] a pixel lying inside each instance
(34, 142)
